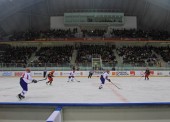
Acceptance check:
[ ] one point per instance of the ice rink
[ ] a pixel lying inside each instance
(132, 89)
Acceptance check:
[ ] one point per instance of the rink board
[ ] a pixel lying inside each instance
(74, 112)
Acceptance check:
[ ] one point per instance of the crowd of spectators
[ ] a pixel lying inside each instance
(60, 56)
(93, 33)
(3, 49)
(133, 33)
(1, 37)
(17, 55)
(164, 52)
(33, 35)
(87, 52)
(86, 33)
(138, 56)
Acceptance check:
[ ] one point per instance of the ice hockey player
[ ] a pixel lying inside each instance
(44, 73)
(90, 73)
(71, 75)
(104, 77)
(25, 79)
(50, 77)
(147, 73)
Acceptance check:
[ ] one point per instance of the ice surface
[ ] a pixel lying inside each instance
(133, 89)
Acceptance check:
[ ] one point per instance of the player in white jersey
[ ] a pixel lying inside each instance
(104, 77)
(71, 76)
(24, 81)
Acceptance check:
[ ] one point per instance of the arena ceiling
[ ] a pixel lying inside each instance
(35, 14)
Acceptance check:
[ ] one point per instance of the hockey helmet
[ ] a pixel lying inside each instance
(108, 71)
(52, 71)
(28, 70)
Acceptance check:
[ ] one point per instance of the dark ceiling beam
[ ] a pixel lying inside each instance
(16, 7)
(33, 13)
(161, 3)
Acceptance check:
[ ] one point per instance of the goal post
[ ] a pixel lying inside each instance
(97, 63)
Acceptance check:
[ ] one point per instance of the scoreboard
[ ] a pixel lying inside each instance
(94, 18)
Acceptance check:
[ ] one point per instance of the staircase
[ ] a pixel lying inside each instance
(33, 55)
(163, 63)
(118, 58)
(74, 56)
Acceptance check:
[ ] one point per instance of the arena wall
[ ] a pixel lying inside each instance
(131, 73)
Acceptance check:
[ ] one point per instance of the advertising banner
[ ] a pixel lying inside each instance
(152, 73)
(163, 73)
(97, 73)
(18, 73)
(122, 73)
(131, 73)
(37, 73)
(7, 73)
(113, 73)
(139, 73)
(66, 73)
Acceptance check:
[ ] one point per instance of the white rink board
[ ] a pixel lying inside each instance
(131, 73)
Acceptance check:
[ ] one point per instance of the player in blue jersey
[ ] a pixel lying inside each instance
(24, 81)
(104, 77)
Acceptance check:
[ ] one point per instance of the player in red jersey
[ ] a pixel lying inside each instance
(50, 77)
(147, 73)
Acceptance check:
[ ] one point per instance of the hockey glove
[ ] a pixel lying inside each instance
(34, 81)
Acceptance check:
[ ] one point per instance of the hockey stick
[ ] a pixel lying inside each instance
(142, 75)
(76, 80)
(140, 78)
(42, 79)
(114, 84)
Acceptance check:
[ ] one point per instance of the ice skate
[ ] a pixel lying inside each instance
(20, 96)
(100, 87)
